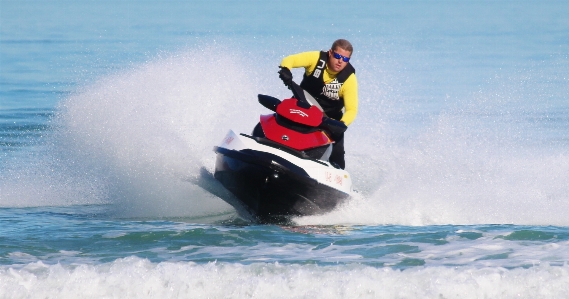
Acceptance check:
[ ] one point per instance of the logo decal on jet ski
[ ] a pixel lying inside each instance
(285, 138)
(296, 111)
(328, 176)
(339, 180)
(228, 140)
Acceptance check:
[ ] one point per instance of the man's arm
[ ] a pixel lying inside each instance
(349, 92)
(307, 60)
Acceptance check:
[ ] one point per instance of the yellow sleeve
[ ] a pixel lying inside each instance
(307, 60)
(349, 92)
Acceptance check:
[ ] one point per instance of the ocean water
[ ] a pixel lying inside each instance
(459, 155)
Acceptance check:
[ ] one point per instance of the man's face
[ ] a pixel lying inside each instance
(337, 64)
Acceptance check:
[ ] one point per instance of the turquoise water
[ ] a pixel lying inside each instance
(84, 238)
(75, 251)
(459, 154)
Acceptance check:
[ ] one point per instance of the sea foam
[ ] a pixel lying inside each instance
(133, 277)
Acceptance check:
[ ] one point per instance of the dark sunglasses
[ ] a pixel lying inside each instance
(338, 56)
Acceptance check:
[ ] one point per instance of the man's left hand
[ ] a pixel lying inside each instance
(285, 75)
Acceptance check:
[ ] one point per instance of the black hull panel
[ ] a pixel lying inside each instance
(271, 187)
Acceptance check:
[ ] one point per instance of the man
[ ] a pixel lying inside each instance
(331, 80)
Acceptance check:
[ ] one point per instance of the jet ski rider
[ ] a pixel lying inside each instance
(331, 80)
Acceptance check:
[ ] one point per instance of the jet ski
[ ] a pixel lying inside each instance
(281, 169)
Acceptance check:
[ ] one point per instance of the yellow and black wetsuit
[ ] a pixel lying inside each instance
(333, 91)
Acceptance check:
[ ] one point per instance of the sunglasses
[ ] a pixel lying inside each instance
(338, 56)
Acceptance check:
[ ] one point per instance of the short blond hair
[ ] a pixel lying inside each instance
(343, 44)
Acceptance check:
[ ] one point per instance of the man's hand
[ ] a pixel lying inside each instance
(285, 75)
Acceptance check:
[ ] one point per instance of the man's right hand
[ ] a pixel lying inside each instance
(285, 75)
